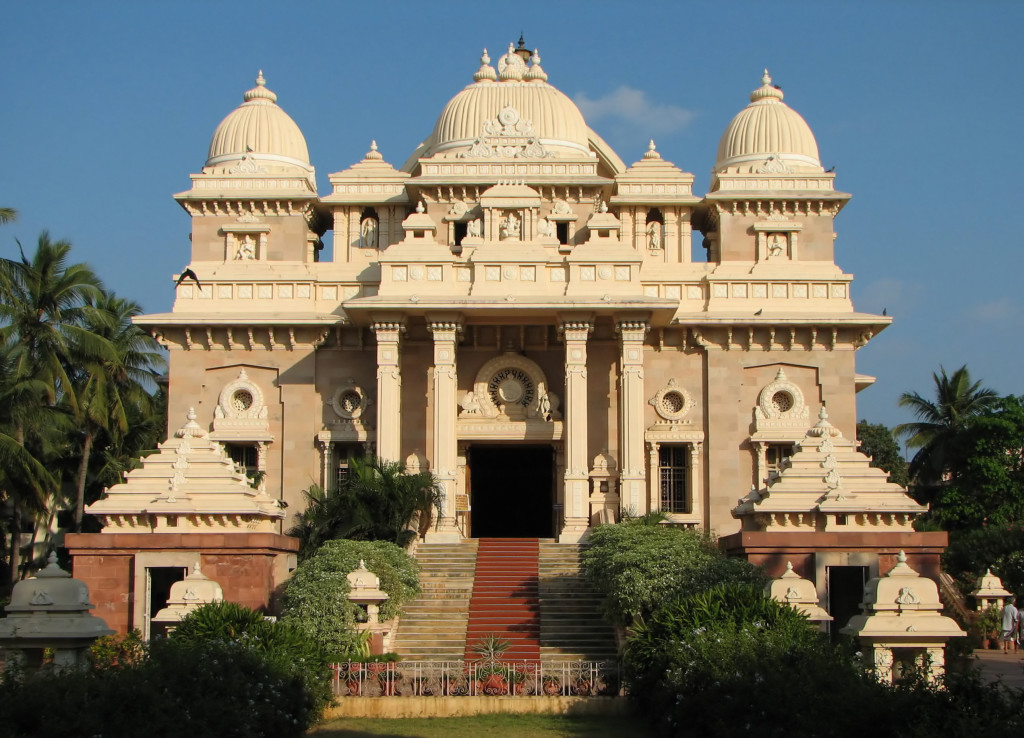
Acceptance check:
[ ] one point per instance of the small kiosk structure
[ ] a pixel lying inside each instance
(902, 624)
(50, 611)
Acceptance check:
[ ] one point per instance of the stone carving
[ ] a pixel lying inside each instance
(773, 165)
(40, 597)
(350, 401)
(368, 229)
(545, 228)
(458, 209)
(241, 399)
(561, 207)
(776, 245)
(654, 235)
(475, 228)
(247, 165)
(469, 404)
(246, 249)
(672, 402)
(509, 136)
(782, 400)
(907, 597)
(510, 227)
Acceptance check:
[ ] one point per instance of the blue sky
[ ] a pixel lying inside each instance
(108, 107)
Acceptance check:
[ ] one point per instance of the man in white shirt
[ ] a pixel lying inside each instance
(1009, 626)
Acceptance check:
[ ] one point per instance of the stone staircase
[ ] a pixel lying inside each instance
(505, 600)
(433, 626)
(571, 625)
(545, 608)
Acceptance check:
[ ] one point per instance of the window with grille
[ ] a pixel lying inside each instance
(774, 455)
(244, 454)
(672, 466)
(343, 455)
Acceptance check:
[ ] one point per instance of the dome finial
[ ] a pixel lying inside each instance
(535, 73)
(486, 71)
(260, 91)
(521, 51)
(767, 90)
(373, 153)
(652, 152)
(511, 67)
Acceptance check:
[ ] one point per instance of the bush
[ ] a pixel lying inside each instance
(280, 643)
(638, 566)
(315, 598)
(213, 689)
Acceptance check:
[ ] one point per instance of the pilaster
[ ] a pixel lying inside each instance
(631, 413)
(444, 452)
(389, 389)
(575, 333)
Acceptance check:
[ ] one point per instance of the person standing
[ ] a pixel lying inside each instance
(1008, 634)
(1020, 623)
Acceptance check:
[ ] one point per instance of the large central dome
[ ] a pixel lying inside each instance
(509, 113)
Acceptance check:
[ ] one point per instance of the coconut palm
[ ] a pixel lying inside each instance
(106, 385)
(957, 399)
(7, 215)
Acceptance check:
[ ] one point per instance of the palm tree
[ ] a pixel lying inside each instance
(7, 215)
(939, 421)
(379, 501)
(41, 310)
(105, 386)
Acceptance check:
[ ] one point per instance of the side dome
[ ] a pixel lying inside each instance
(258, 136)
(511, 113)
(767, 136)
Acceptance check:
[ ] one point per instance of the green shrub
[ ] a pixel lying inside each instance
(639, 566)
(315, 599)
(112, 651)
(208, 689)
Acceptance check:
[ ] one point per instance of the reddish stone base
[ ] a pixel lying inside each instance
(248, 566)
(773, 550)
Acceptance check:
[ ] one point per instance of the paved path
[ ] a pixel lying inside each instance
(1005, 667)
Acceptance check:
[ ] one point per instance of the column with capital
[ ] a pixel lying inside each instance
(389, 389)
(577, 495)
(444, 451)
(631, 415)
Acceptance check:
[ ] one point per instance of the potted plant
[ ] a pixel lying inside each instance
(552, 685)
(987, 625)
(491, 674)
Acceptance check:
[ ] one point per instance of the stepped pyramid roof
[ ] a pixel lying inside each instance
(190, 485)
(828, 485)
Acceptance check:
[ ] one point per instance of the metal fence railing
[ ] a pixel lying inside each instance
(476, 678)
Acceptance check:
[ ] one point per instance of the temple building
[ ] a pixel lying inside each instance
(561, 338)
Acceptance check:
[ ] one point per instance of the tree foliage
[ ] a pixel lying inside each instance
(315, 598)
(940, 421)
(76, 404)
(378, 501)
(880, 444)
(640, 564)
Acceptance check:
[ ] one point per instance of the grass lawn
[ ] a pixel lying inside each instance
(520, 726)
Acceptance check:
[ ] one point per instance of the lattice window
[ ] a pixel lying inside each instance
(245, 455)
(672, 476)
(775, 453)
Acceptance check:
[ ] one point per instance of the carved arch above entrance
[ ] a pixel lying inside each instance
(511, 385)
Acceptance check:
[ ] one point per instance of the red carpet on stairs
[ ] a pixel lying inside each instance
(506, 600)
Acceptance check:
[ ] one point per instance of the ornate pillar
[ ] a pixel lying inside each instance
(325, 460)
(653, 478)
(444, 451)
(389, 389)
(631, 414)
(696, 493)
(577, 503)
(761, 451)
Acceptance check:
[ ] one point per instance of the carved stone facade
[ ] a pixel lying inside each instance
(516, 291)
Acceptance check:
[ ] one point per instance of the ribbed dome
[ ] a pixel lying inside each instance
(767, 136)
(259, 135)
(513, 107)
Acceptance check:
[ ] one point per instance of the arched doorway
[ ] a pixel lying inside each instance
(512, 491)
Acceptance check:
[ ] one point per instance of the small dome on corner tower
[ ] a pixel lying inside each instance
(258, 137)
(767, 136)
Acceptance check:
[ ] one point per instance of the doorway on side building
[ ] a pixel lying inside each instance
(512, 491)
(845, 592)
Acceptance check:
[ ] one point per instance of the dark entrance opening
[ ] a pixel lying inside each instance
(845, 592)
(512, 491)
(160, 580)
